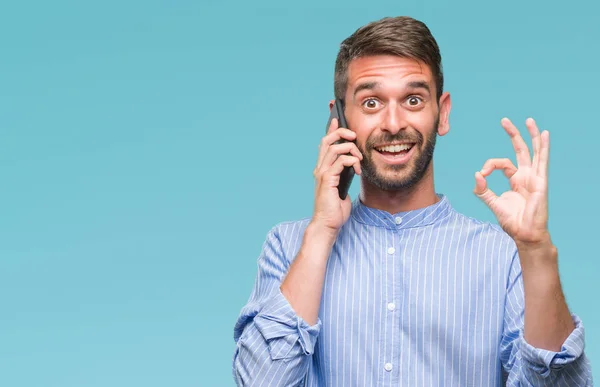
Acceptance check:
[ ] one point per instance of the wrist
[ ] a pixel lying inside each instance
(320, 232)
(538, 254)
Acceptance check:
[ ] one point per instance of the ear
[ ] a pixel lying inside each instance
(445, 106)
(331, 104)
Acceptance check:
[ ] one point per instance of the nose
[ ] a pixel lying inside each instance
(393, 119)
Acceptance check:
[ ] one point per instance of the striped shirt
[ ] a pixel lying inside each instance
(428, 297)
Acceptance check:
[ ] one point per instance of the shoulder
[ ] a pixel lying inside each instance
(487, 232)
(286, 237)
(489, 243)
(289, 230)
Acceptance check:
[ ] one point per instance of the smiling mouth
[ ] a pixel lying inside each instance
(395, 149)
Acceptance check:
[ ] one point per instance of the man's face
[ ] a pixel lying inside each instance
(391, 105)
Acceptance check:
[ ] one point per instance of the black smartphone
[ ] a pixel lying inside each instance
(337, 111)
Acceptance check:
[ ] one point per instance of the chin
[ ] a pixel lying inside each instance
(400, 177)
(395, 181)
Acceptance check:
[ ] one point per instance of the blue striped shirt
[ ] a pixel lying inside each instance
(428, 297)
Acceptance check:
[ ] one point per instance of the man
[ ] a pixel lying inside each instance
(396, 288)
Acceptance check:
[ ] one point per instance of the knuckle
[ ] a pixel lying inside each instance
(337, 146)
(344, 160)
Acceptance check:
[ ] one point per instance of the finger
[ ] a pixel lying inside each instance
(340, 163)
(329, 139)
(544, 154)
(336, 135)
(521, 149)
(535, 140)
(339, 149)
(482, 191)
(505, 165)
(333, 125)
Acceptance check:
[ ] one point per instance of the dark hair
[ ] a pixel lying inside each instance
(401, 36)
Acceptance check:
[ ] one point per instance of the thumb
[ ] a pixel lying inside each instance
(482, 191)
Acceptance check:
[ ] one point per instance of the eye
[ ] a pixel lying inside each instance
(413, 100)
(371, 103)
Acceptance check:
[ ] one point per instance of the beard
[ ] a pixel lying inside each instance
(404, 176)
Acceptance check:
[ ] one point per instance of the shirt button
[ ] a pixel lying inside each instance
(398, 220)
(388, 366)
(391, 306)
(391, 250)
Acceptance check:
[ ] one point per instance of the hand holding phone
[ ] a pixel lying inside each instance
(339, 159)
(347, 174)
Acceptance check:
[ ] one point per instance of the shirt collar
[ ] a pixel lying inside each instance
(401, 220)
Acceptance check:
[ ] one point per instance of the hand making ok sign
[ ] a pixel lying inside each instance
(523, 211)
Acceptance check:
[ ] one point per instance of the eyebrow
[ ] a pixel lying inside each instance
(374, 85)
(419, 85)
(365, 86)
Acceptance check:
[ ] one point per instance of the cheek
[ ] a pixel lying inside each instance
(424, 123)
(361, 124)
(362, 140)
(362, 136)
(423, 120)
(360, 144)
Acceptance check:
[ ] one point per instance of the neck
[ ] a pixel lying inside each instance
(418, 196)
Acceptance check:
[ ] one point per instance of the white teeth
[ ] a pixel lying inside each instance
(395, 148)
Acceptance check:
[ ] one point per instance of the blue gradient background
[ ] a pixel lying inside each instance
(147, 147)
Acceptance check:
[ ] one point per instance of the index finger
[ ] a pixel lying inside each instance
(337, 134)
(505, 165)
(333, 125)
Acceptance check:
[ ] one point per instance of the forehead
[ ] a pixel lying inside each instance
(387, 70)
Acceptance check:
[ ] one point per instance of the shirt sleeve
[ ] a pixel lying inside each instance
(273, 344)
(526, 365)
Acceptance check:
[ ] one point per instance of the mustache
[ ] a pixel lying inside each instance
(400, 136)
